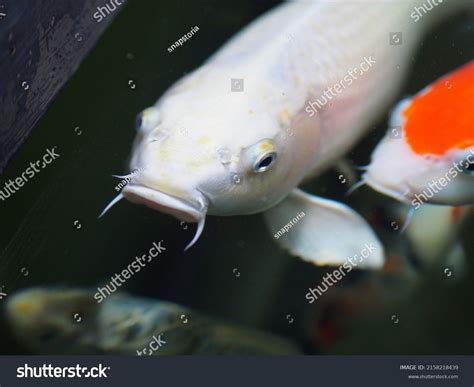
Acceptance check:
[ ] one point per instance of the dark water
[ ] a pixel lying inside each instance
(50, 233)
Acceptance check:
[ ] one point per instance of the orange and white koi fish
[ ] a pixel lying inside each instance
(428, 154)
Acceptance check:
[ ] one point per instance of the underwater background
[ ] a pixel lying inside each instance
(50, 233)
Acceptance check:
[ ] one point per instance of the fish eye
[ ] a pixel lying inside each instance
(147, 120)
(265, 162)
(133, 331)
(469, 168)
(467, 165)
(139, 121)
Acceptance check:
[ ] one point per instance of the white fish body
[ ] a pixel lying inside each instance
(206, 149)
(291, 55)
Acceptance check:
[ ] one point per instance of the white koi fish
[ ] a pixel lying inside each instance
(207, 148)
(428, 154)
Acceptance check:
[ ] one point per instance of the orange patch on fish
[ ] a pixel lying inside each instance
(441, 117)
(456, 213)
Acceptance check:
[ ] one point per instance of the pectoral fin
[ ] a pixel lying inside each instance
(324, 232)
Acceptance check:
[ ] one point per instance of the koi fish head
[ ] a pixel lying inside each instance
(428, 154)
(207, 150)
(53, 320)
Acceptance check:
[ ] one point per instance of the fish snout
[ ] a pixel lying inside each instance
(19, 305)
(24, 307)
(188, 206)
(393, 188)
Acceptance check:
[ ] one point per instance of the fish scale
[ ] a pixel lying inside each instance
(304, 47)
(358, 105)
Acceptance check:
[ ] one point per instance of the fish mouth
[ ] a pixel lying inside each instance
(391, 192)
(193, 211)
(178, 207)
(189, 211)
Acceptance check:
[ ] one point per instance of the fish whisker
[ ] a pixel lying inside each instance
(109, 206)
(199, 230)
(361, 167)
(123, 176)
(356, 186)
(408, 219)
